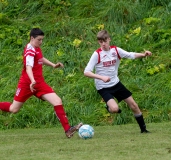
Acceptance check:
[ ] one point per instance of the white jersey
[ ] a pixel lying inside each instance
(106, 63)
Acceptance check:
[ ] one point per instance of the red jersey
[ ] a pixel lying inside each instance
(37, 56)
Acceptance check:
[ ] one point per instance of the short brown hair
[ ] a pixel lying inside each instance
(103, 35)
(36, 32)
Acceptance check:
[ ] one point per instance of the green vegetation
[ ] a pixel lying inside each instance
(122, 142)
(71, 27)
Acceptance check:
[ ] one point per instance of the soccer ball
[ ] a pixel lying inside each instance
(86, 131)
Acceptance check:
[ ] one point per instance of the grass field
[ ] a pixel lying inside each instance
(120, 142)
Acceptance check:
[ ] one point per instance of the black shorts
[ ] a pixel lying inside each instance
(119, 91)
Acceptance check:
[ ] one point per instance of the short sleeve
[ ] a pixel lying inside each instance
(29, 60)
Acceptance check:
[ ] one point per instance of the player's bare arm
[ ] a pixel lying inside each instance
(96, 76)
(49, 63)
(30, 75)
(141, 55)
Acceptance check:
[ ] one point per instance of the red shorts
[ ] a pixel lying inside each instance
(23, 91)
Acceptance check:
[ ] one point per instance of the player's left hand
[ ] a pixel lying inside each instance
(147, 53)
(32, 86)
(59, 64)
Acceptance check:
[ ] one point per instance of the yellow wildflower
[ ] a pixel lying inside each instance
(59, 53)
(137, 30)
(156, 69)
(76, 42)
(100, 26)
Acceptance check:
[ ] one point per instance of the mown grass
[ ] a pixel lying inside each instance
(119, 142)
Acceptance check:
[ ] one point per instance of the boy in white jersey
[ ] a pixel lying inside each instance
(106, 61)
(32, 82)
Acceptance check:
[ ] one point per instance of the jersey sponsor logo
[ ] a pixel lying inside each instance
(114, 54)
(40, 61)
(109, 63)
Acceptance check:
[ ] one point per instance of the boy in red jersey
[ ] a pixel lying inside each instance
(32, 82)
(106, 61)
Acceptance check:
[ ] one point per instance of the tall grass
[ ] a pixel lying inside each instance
(133, 25)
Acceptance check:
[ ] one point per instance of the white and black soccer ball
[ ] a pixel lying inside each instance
(86, 131)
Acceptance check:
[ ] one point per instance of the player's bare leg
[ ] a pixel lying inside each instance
(112, 106)
(133, 105)
(15, 106)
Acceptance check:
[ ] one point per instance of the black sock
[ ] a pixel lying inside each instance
(140, 121)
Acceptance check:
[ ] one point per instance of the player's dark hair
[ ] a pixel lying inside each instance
(103, 35)
(36, 32)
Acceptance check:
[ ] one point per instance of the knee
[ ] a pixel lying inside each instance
(134, 107)
(14, 110)
(113, 110)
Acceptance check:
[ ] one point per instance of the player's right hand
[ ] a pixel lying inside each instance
(105, 79)
(32, 86)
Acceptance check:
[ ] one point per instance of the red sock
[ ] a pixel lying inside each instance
(60, 113)
(5, 106)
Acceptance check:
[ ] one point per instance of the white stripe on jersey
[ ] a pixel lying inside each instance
(29, 61)
(29, 53)
(29, 50)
